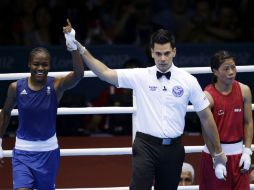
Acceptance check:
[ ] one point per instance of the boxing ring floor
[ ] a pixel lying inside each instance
(112, 110)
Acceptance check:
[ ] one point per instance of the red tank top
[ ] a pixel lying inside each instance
(228, 113)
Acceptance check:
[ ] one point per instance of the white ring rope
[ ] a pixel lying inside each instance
(193, 187)
(89, 110)
(109, 151)
(192, 70)
(113, 110)
(99, 110)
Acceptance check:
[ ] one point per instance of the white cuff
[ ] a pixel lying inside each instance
(1, 140)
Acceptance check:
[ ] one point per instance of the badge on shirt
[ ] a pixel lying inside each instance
(177, 91)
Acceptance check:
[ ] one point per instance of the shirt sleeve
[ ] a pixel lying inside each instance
(198, 97)
(126, 78)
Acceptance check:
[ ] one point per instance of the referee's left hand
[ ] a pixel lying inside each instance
(220, 158)
(221, 171)
(219, 163)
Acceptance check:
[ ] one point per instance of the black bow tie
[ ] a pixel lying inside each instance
(167, 75)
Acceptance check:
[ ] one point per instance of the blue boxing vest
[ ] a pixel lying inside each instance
(37, 111)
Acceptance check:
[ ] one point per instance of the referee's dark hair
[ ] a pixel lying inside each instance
(162, 36)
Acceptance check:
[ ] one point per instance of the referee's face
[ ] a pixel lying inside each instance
(163, 55)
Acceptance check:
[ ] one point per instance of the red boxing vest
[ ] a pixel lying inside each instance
(228, 113)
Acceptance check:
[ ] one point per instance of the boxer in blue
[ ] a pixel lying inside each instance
(36, 154)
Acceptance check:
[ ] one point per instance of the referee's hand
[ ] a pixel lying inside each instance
(221, 171)
(219, 164)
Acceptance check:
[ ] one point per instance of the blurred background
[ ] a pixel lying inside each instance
(118, 33)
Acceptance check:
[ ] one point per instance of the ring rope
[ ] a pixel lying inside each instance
(100, 110)
(193, 187)
(89, 110)
(192, 70)
(108, 151)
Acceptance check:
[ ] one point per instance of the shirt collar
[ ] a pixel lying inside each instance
(170, 69)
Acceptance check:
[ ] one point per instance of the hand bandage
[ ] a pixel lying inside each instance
(220, 171)
(219, 164)
(219, 159)
(245, 160)
(81, 48)
(1, 149)
(70, 40)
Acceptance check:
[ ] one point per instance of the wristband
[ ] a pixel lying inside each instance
(1, 142)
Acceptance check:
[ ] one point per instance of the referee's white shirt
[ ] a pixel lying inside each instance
(162, 103)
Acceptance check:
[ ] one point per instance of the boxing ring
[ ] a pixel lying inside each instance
(113, 110)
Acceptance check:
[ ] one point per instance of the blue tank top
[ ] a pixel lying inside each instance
(37, 111)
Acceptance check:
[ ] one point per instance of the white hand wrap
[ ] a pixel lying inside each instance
(81, 48)
(1, 149)
(70, 40)
(220, 171)
(246, 158)
(220, 158)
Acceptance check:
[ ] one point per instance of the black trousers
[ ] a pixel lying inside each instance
(156, 164)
